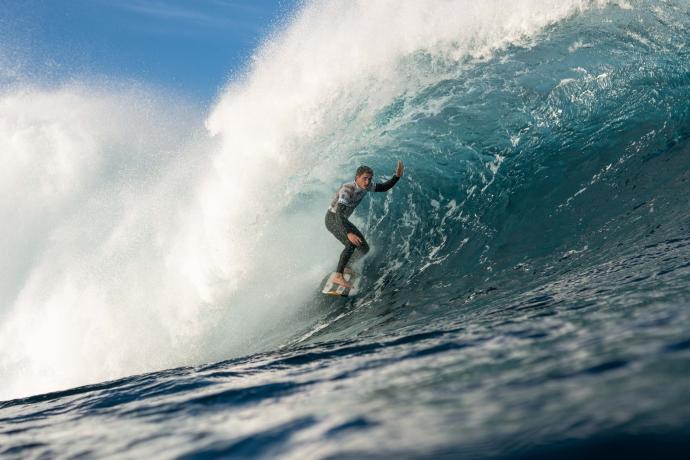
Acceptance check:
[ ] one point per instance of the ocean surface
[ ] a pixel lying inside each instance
(527, 293)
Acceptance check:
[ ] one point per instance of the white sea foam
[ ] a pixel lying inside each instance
(134, 243)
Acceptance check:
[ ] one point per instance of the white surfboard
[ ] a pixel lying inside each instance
(331, 288)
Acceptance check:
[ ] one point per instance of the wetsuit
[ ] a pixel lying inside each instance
(343, 205)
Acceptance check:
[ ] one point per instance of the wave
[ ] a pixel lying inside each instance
(535, 136)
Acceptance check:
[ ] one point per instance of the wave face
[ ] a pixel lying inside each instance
(527, 287)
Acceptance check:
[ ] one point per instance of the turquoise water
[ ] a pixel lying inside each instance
(527, 294)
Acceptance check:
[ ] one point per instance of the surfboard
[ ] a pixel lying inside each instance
(330, 288)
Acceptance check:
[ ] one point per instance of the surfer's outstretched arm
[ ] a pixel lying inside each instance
(385, 186)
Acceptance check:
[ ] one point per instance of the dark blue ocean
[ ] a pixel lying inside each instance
(527, 295)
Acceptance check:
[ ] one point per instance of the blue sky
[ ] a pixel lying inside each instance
(189, 46)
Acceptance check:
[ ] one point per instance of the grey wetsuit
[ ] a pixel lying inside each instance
(342, 206)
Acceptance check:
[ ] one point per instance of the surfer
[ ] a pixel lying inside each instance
(343, 205)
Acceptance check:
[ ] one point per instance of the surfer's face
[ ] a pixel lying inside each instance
(363, 180)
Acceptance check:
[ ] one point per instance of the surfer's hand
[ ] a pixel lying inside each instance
(399, 169)
(354, 239)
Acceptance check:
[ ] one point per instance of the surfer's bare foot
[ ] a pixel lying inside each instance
(340, 279)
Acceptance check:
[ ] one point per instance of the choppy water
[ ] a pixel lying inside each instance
(527, 295)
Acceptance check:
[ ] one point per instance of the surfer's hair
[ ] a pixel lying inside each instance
(364, 169)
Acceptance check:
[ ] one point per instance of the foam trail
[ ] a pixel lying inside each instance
(130, 253)
(89, 194)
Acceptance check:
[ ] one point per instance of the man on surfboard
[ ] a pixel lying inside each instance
(343, 205)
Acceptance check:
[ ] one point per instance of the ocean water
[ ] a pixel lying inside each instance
(526, 295)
